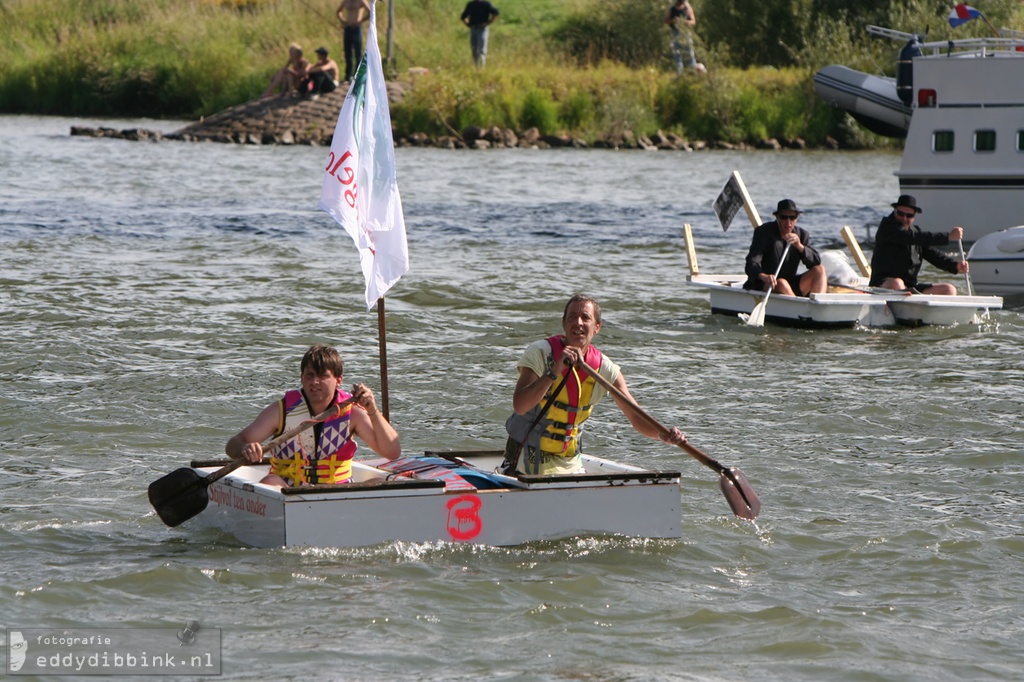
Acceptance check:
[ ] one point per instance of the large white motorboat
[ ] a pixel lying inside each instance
(964, 153)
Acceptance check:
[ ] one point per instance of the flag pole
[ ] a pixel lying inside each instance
(383, 342)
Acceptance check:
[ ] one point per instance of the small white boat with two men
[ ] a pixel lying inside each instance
(849, 301)
(456, 497)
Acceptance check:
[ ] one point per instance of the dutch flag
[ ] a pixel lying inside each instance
(961, 14)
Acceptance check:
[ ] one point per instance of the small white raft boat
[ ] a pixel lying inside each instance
(432, 498)
(844, 308)
(849, 303)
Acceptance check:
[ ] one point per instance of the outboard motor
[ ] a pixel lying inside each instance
(905, 70)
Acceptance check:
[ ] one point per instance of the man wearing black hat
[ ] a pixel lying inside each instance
(766, 251)
(901, 246)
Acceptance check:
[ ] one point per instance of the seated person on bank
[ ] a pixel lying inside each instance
(766, 249)
(322, 77)
(901, 246)
(323, 453)
(285, 80)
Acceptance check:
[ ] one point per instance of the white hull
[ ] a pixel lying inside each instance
(615, 499)
(844, 310)
(871, 100)
(997, 262)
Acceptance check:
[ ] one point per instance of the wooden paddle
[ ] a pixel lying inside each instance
(182, 494)
(737, 490)
(756, 317)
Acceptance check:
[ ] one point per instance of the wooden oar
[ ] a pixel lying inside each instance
(756, 317)
(737, 490)
(182, 494)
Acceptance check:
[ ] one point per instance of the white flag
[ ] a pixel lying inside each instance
(360, 189)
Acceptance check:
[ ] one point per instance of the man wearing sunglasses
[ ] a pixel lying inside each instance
(901, 247)
(767, 249)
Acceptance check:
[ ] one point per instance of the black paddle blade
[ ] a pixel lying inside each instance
(179, 496)
(739, 494)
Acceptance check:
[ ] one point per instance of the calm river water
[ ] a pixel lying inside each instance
(155, 296)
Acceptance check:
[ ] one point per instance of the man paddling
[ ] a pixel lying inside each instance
(768, 256)
(324, 453)
(555, 398)
(901, 246)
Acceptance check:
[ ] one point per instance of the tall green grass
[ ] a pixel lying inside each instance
(583, 67)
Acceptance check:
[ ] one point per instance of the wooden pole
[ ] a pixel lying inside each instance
(691, 251)
(858, 255)
(383, 342)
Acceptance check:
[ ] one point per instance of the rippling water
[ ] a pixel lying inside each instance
(156, 296)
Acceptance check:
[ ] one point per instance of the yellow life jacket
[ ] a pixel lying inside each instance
(322, 454)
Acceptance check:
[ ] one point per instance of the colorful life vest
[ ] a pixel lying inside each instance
(561, 427)
(322, 454)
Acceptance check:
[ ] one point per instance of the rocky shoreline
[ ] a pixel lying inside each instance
(311, 121)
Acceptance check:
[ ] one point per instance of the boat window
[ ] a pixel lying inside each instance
(984, 140)
(942, 141)
(1020, 140)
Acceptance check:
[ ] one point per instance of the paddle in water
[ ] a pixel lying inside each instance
(756, 316)
(737, 489)
(182, 494)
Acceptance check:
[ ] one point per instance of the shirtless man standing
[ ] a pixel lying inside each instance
(352, 14)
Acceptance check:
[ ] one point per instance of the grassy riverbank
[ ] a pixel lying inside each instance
(190, 58)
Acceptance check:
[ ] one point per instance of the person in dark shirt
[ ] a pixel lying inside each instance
(901, 246)
(766, 249)
(478, 15)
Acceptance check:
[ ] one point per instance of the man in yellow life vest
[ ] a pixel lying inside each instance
(322, 454)
(552, 445)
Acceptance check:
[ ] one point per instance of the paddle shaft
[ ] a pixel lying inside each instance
(662, 431)
(785, 252)
(291, 433)
(283, 438)
(967, 274)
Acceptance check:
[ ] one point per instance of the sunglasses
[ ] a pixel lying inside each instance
(783, 216)
(904, 214)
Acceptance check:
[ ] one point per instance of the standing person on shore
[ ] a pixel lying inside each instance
(478, 15)
(322, 454)
(681, 19)
(767, 248)
(553, 446)
(287, 78)
(901, 246)
(352, 14)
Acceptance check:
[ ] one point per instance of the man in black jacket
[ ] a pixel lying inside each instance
(901, 246)
(768, 247)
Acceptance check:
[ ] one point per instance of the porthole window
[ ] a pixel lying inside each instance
(942, 141)
(984, 140)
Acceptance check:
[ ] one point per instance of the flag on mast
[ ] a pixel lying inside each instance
(962, 13)
(360, 187)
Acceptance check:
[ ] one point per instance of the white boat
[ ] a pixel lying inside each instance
(428, 502)
(997, 262)
(850, 302)
(843, 307)
(962, 155)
